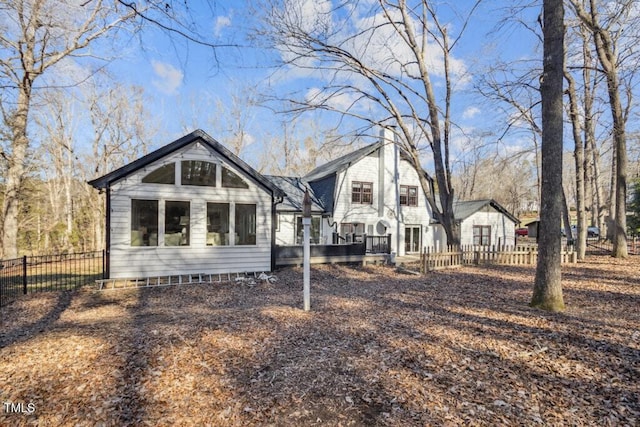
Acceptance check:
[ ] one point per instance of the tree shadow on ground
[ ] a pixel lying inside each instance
(26, 331)
(376, 349)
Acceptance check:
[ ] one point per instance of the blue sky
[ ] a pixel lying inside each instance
(183, 81)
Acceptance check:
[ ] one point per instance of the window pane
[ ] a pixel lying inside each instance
(366, 192)
(413, 196)
(482, 235)
(177, 223)
(356, 192)
(217, 224)
(245, 224)
(346, 228)
(163, 175)
(232, 180)
(314, 228)
(144, 222)
(198, 172)
(403, 195)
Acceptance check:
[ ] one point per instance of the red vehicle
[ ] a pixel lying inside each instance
(522, 232)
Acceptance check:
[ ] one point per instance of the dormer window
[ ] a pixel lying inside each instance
(232, 180)
(198, 172)
(163, 175)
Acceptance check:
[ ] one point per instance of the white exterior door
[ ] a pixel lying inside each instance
(412, 239)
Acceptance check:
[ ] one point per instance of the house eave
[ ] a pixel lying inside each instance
(107, 180)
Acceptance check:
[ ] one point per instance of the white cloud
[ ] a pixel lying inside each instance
(221, 23)
(470, 112)
(310, 15)
(169, 78)
(343, 101)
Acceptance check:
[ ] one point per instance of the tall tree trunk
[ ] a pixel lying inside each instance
(15, 172)
(578, 152)
(547, 290)
(607, 56)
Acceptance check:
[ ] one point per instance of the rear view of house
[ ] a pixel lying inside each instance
(193, 207)
(189, 207)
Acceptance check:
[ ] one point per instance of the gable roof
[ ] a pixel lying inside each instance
(464, 209)
(343, 162)
(105, 181)
(294, 189)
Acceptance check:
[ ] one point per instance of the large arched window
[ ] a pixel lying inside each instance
(231, 179)
(198, 172)
(163, 175)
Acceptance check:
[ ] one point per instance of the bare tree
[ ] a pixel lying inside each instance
(606, 32)
(57, 123)
(38, 36)
(516, 86)
(579, 158)
(380, 71)
(547, 290)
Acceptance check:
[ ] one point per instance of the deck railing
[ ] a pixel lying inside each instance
(44, 273)
(374, 244)
(378, 244)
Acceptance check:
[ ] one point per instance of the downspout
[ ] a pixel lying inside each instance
(397, 189)
(274, 217)
(381, 185)
(107, 235)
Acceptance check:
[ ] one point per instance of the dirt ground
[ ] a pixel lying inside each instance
(456, 347)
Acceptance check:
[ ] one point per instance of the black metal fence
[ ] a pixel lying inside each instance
(46, 273)
(597, 247)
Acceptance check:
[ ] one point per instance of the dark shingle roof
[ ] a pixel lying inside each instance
(342, 162)
(105, 181)
(294, 189)
(464, 209)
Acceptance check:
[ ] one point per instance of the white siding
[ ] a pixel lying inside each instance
(286, 232)
(502, 228)
(285, 235)
(128, 261)
(368, 170)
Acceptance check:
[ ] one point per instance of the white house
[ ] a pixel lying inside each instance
(193, 207)
(373, 190)
(189, 207)
(376, 191)
(484, 223)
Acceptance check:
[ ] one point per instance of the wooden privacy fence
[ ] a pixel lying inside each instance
(455, 256)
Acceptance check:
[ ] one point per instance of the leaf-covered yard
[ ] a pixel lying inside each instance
(378, 348)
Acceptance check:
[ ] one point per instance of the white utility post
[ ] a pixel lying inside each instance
(306, 223)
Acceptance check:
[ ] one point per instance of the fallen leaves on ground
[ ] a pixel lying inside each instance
(378, 348)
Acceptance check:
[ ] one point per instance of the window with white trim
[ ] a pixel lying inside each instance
(177, 223)
(198, 172)
(163, 175)
(245, 224)
(144, 222)
(217, 224)
(482, 235)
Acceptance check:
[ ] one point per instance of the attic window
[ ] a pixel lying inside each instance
(198, 172)
(163, 175)
(232, 180)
